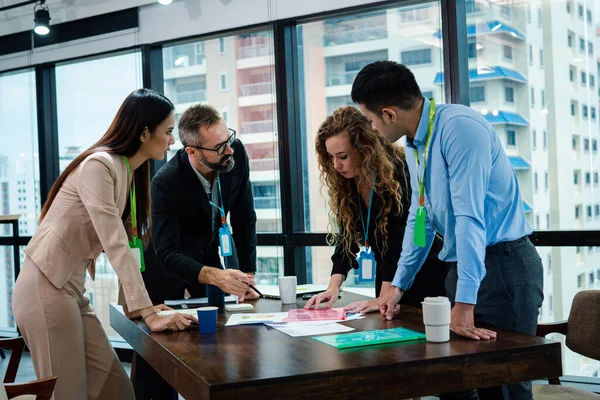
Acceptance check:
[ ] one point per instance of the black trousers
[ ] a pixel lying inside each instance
(509, 297)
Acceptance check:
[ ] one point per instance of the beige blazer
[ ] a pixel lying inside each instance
(84, 219)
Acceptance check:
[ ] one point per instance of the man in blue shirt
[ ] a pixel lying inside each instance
(465, 189)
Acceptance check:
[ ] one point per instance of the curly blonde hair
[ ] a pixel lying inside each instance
(375, 154)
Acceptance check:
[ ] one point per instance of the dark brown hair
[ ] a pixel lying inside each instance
(142, 109)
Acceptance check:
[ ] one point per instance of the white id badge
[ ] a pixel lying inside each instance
(137, 255)
(366, 266)
(366, 269)
(225, 240)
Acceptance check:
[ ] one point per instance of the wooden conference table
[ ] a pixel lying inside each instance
(254, 361)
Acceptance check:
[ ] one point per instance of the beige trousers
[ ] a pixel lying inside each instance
(66, 338)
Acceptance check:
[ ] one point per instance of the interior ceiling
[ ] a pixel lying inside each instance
(28, 9)
(68, 10)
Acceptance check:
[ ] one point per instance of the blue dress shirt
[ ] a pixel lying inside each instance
(471, 195)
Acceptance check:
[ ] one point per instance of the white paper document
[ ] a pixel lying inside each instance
(272, 291)
(311, 329)
(255, 318)
(196, 300)
(275, 319)
(188, 311)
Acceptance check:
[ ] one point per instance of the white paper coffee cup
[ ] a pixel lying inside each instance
(287, 289)
(436, 317)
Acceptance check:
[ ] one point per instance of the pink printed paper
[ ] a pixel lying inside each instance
(322, 314)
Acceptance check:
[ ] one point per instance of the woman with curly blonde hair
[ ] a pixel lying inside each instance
(367, 183)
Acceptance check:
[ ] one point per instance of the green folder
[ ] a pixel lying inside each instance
(369, 338)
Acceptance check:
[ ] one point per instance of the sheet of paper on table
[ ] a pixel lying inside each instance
(320, 314)
(311, 329)
(255, 318)
(277, 319)
(196, 300)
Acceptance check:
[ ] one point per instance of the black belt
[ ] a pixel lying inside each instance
(505, 247)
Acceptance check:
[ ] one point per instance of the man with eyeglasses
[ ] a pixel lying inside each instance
(205, 182)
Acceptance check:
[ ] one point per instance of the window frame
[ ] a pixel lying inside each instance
(287, 126)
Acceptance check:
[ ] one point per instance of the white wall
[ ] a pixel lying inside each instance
(157, 23)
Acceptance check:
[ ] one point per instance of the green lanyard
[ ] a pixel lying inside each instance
(420, 233)
(136, 243)
(366, 227)
(132, 201)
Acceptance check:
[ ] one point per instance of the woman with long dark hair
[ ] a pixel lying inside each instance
(367, 182)
(85, 214)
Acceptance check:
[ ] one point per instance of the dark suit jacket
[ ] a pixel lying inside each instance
(182, 227)
(430, 279)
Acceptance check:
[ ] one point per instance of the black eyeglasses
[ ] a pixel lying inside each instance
(220, 148)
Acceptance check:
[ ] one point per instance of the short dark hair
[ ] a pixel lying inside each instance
(386, 83)
(196, 117)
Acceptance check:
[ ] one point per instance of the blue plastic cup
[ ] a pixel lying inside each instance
(216, 297)
(207, 319)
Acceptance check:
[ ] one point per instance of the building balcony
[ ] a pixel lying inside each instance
(256, 127)
(519, 163)
(264, 164)
(265, 203)
(496, 28)
(184, 72)
(184, 62)
(486, 74)
(496, 117)
(256, 50)
(359, 33)
(419, 14)
(344, 78)
(196, 96)
(254, 89)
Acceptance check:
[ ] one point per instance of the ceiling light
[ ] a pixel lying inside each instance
(165, 2)
(484, 111)
(42, 18)
(495, 112)
(179, 61)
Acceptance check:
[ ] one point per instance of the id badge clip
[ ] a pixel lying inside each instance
(366, 265)
(137, 249)
(225, 240)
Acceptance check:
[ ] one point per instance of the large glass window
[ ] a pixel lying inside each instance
(235, 74)
(7, 282)
(477, 94)
(88, 95)
(582, 274)
(331, 52)
(269, 265)
(19, 161)
(564, 114)
(19, 174)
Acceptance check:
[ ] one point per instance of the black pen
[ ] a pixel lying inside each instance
(256, 290)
